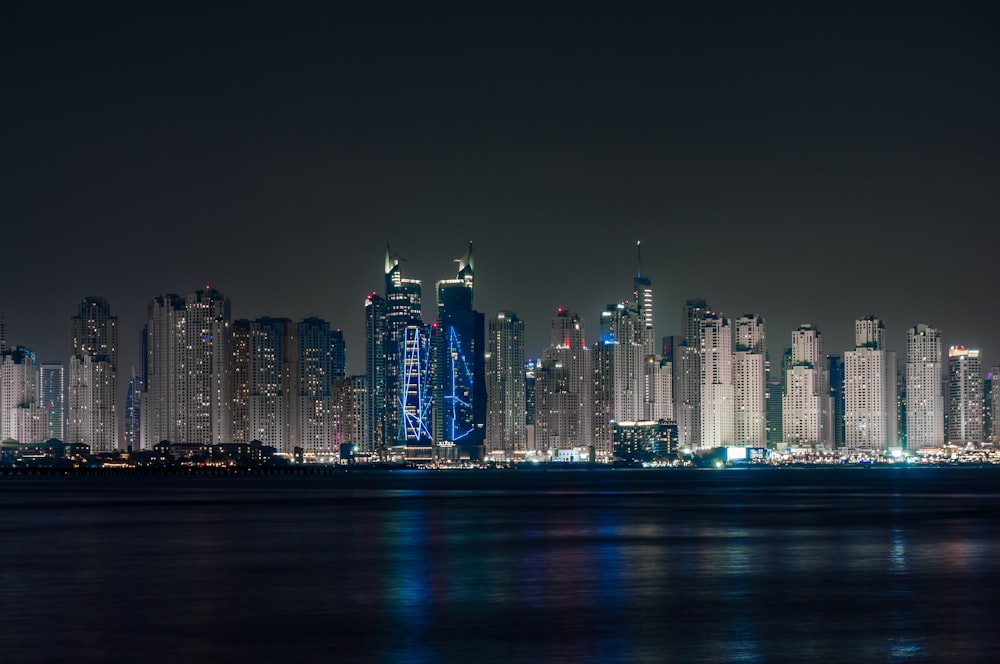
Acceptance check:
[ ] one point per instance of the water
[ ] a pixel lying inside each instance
(888, 565)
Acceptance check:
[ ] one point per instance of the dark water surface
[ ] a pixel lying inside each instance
(798, 565)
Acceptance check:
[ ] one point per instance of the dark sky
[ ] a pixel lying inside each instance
(805, 161)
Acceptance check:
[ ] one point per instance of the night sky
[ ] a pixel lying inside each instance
(810, 162)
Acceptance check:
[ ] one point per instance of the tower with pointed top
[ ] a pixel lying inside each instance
(459, 368)
(407, 371)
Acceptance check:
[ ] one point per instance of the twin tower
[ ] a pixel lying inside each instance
(427, 382)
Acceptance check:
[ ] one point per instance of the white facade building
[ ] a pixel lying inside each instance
(965, 396)
(717, 400)
(806, 391)
(924, 400)
(870, 390)
(750, 414)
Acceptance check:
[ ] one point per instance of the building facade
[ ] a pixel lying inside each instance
(924, 400)
(93, 377)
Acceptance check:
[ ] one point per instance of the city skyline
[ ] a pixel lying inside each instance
(808, 165)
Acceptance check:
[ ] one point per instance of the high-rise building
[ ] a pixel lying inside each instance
(338, 357)
(505, 386)
(376, 435)
(272, 359)
(773, 395)
(642, 296)
(319, 360)
(458, 368)
(924, 401)
(659, 389)
(93, 376)
(623, 332)
(716, 381)
(21, 417)
(242, 340)
(993, 407)
(414, 438)
(749, 382)
(189, 358)
(835, 375)
(52, 397)
(805, 390)
(870, 390)
(687, 374)
(529, 404)
(563, 387)
(406, 344)
(965, 397)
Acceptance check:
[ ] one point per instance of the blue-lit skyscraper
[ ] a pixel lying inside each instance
(407, 346)
(459, 369)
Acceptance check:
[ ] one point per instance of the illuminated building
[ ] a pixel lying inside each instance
(505, 386)
(805, 390)
(870, 390)
(458, 367)
(93, 377)
(242, 340)
(405, 393)
(375, 431)
(563, 387)
(992, 405)
(21, 418)
(188, 385)
(52, 397)
(749, 388)
(924, 400)
(658, 389)
(965, 397)
(414, 394)
(319, 360)
(338, 357)
(716, 381)
(835, 378)
(687, 374)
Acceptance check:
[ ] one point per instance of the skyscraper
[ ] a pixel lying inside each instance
(687, 374)
(319, 360)
(563, 387)
(21, 418)
(924, 401)
(272, 382)
(750, 415)
(93, 376)
(52, 397)
(407, 346)
(505, 386)
(869, 390)
(242, 336)
(774, 394)
(805, 390)
(835, 376)
(716, 381)
(375, 431)
(965, 397)
(459, 370)
(188, 387)
(993, 405)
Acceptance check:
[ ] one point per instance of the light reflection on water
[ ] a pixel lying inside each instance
(630, 567)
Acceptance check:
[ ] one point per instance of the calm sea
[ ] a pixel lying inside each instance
(754, 565)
